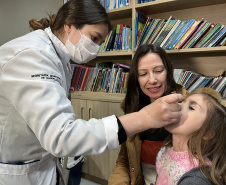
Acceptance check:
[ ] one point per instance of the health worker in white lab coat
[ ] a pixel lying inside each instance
(37, 120)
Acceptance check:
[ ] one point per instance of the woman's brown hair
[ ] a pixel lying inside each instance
(74, 12)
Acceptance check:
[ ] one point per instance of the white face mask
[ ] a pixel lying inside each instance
(84, 51)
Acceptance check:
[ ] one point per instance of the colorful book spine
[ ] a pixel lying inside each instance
(183, 31)
(198, 35)
(170, 33)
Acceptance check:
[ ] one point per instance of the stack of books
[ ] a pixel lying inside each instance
(119, 39)
(144, 1)
(192, 81)
(113, 4)
(104, 77)
(173, 33)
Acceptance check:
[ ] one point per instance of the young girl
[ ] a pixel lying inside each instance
(195, 152)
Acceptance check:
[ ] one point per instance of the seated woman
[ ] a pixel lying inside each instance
(195, 151)
(150, 77)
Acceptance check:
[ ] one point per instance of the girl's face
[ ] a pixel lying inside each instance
(152, 75)
(194, 112)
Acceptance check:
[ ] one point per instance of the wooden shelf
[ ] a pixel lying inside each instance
(115, 53)
(221, 49)
(100, 96)
(173, 5)
(119, 13)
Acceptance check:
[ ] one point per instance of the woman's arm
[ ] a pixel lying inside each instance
(160, 113)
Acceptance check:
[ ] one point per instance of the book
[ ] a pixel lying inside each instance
(75, 74)
(143, 31)
(89, 77)
(106, 42)
(186, 35)
(205, 82)
(187, 77)
(125, 38)
(114, 74)
(156, 31)
(116, 80)
(191, 33)
(84, 78)
(221, 85)
(103, 80)
(181, 33)
(200, 26)
(119, 44)
(170, 32)
(163, 29)
(81, 76)
(183, 78)
(175, 34)
(215, 84)
(209, 34)
(123, 65)
(149, 26)
(165, 32)
(73, 66)
(101, 76)
(114, 66)
(196, 84)
(122, 68)
(198, 35)
(213, 35)
(217, 38)
(151, 30)
(107, 78)
(192, 80)
(129, 39)
(92, 79)
(110, 42)
(103, 44)
(96, 79)
(78, 71)
(140, 21)
(116, 37)
(177, 73)
(223, 42)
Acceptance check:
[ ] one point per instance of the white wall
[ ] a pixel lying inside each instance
(15, 15)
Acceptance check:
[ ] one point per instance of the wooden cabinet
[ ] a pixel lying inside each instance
(97, 105)
(88, 108)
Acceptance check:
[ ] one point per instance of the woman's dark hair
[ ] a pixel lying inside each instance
(135, 98)
(74, 12)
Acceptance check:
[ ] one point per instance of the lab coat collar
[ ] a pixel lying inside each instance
(60, 48)
(63, 54)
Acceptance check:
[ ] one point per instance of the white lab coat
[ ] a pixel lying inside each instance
(37, 121)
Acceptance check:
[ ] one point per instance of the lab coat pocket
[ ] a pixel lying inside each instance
(38, 173)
